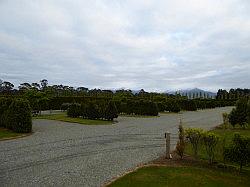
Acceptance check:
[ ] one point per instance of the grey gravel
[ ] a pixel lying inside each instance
(67, 154)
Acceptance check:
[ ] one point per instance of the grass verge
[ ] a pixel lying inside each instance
(159, 176)
(63, 117)
(8, 134)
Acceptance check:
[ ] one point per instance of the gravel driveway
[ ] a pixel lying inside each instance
(66, 154)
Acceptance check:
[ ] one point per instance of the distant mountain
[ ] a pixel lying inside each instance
(195, 93)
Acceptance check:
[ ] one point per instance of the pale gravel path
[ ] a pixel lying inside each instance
(69, 154)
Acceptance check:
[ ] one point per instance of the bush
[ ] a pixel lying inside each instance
(225, 120)
(239, 151)
(153, 109)
(110, 111)
(92, 111)
(194, 136)
(239, 114)
(74, 110)
(210, 141)
(248, 112)
(18, 116)
(180, 147)
(4, 105)
(172, 106)
(65, 106)
(232, 117)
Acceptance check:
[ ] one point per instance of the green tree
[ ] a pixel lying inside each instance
(233, 117)
(239, 151)
(239, 114)
(44, 83)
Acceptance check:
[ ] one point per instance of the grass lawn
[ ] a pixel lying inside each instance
(159, 176)
(5, 133)
(228, 134)
(65, 118)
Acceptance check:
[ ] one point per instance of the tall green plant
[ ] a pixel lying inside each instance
(239, 151)
(239, 114)
(18, 116)
(210, 141)
(180, 147)
(110, 111)
(225, 120)
(248, 112)
(194, 136)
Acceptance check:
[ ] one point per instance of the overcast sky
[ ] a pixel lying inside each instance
(156, 45)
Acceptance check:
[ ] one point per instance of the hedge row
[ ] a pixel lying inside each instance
(132, 105)
(173, 105)
(15, 114)
(137, 107)
(55, 103)
(92, 110)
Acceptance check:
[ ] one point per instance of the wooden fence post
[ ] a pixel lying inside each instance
(167, 136)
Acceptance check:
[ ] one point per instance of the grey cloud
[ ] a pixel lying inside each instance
(156, 45)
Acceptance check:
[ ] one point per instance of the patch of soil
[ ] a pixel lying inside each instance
(175, 161)
(188, 160)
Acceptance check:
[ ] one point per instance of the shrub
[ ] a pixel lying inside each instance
(110, 111)
(65, 106)
(172, 106)
(191, 105)
(4, 105)
(210, 141)
(84, 110)
(153, 109)
(232, 117)
(239, 114)
(239, 151)
(92, 111)
(74, 110)
(18, 116)
(180, 147)
(194, 136)
(248, 112)
(225, 120)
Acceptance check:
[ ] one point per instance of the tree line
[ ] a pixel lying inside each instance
(42, 96)
(232, 93)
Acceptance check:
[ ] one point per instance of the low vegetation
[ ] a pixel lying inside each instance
(224, 142)
(63, 117)
(15, 115)
(6, 134)
(104, 111)
(42, 96)
(229, 143)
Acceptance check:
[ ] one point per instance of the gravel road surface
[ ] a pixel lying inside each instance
(67, 154)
